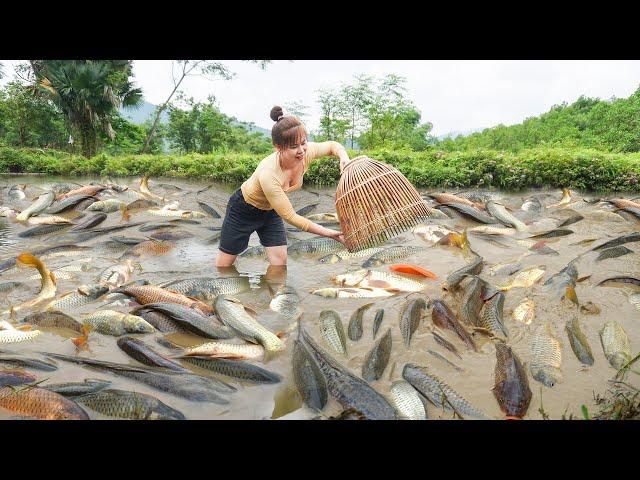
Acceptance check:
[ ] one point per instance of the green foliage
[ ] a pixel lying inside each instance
(88, 92)
(203, 128)
(583, 169)
(29, 120)
(588, 122)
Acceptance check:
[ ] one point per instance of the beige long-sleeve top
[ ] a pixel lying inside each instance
(265, 188)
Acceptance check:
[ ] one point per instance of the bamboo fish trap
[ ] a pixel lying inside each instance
(375, 202)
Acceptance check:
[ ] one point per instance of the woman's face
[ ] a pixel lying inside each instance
(296, 152)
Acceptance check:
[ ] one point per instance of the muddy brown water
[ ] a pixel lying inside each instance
(194, 257)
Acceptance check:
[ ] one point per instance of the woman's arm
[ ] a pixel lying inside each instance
(323, 149)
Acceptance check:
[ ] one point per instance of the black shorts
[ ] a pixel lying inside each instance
(242, 219)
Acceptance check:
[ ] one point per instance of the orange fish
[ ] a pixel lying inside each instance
(81, 341)
(413, 269)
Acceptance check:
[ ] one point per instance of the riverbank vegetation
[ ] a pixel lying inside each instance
(66, 118)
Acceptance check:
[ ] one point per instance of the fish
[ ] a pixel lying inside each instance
(307, 209)
(129, 405)
(511, 386)
(471, 212)
(446, 198)
(287, 303)
(525, 278)
(166, 211)
(342, 255)
(332, 331)
(319, 217)
(438, 392)
(252, 252)
(621, 279)
(578, 341)
(171, 235)
(144, 189)
(613, 252)
(76, 389)
(546, 354)
(232, 313)
(191, 320)
(184, 385)
(315, 245)
(377, 279)
(40, 403)
(48, 220)
(107, 206)
(15, 377)
(472, 268)
(532, 204)
(501, 213)
(208, 288)
(493, 230)
(505, 269)
(604, 216)
(566, 198)
(209, 210)
(472, 302)
(43, 230)
(571, 220)
(491, 315)
(14, 335)
(443, 317)
(431, 233)
(89, 190)
(350, 292)
(238, 369)
(144, 354)
(68, 203)
(443, 358)
(116, 275)
(308, 378)
(629, 238)
(149, 247)
(524, 312)
(407, 401)
(7, 287)
(26, 362)
(377, 359)
(47, 282)
(238, 351)
(161, 322)
(413, 270)
(634, 299)
(558, 232)
(42, 202)
(354, 330)
(349, 390)
(623, 203)
(615, 344)
(145, 294)
(390, 254)
(16, 192)
(111, 322)
(377, 321)
(141, 203)
(77, 298)
(410, 316)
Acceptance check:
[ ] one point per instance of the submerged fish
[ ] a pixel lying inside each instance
(410, 317)
(40, 403)
(287, 303)
(75, 389)
(547, 356)
(235, 369)
(308, 378)
(47, 282)
(191, 320)
(15, 377)
(377, 321)
(315, 245)
(377, 359)
(471, 212)
(144, 354)
(407, 401)
(525, 278)
(615, 343)
(209, 210)
(558, 232)
(472, 302)
(332, 331)
(346, 255)
(511, 386)
(145, 294)
(473, 268)
(443, 317)
(351, 292)
(129, 405)
(578, 341)
(354, 330)
(438, 392)
(613, 252)
(233, 314)
(629, 238)
(349, 391)
(390, 254)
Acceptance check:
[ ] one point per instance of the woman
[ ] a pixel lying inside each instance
(261, 203)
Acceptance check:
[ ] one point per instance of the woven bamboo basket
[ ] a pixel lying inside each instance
(375, 202)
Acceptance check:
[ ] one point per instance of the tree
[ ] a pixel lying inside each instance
(181, 69)
(355, 101)
(296, 108)
(332, 127)
(88, 92)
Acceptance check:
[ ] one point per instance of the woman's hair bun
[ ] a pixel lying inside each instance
(276, 113)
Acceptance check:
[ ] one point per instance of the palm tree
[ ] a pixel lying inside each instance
(88, 92)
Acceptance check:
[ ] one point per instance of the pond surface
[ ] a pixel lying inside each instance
(474, 378)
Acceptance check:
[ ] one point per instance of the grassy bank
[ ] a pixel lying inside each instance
(575, 168)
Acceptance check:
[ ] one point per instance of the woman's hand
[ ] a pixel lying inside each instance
(335, 235)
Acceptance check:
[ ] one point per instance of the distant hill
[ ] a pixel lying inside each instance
(455, 133)
(146, 111)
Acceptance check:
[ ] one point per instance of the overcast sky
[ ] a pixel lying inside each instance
(454, 95)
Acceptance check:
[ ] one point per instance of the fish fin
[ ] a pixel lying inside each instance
(228, 356)
(24, 328)
(53, 278)
(571, 295)
(582, 279)
(379, 284)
